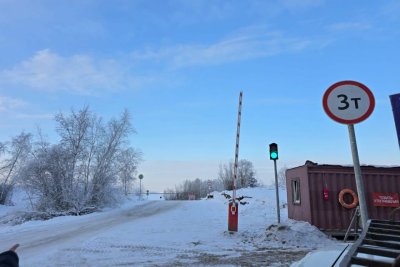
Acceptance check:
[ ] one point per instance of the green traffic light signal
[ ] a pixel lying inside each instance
(273, 151)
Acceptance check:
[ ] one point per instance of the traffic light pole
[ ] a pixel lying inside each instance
(274, 155)
(277, 193)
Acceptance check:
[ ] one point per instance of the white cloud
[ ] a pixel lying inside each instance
(39, 116)
(8, 103)
(245, 44)
(202, 10)
(80, 74)
(300, 4)
(17, 109)
(390, 10)
(85, 75)
(281, 101)
(348, 26)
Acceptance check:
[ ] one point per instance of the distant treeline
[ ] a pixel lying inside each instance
(246, 177)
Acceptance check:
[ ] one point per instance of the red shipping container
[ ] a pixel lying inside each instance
(308, 202)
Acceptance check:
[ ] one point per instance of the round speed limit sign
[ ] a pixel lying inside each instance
(348, 102)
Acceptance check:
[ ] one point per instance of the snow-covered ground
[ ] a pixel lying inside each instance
(164, 233)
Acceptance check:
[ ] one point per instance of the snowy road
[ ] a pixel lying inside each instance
(42, 239)
(167, 233)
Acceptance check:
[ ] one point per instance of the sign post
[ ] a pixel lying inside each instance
(140, 182)
(351, 102)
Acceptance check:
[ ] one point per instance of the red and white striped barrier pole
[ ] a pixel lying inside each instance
(233, 210)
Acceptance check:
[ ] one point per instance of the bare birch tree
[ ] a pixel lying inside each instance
(80, 172)
(198, 188)
(13, 155)
(128, 161)
(282, 177)
(246, 176)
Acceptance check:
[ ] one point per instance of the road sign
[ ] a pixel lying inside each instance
(351, 102)
(348, 102)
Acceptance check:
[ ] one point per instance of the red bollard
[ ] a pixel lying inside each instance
(233, 213)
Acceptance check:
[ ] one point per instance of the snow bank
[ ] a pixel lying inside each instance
(296, 234)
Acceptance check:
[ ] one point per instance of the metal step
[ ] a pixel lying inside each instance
(369, 262)
(384, 231)
(380, 239)
(383, 252)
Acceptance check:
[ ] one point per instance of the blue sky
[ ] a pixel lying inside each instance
(178, 67)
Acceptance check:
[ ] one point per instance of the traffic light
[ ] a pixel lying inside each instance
(273, 151)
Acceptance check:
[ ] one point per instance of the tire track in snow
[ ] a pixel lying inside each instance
(43, 239)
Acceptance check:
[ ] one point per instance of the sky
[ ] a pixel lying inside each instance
(178, 68)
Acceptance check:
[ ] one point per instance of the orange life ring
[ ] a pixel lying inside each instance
(353, 204)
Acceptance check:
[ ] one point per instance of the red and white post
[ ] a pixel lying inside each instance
(233, 210)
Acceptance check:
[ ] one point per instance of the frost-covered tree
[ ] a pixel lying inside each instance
(128, 161)
(199, 188)
(282, 177)
(113, 139)
(13, 156)
(246, 176)
(80, 172)
(225, 174)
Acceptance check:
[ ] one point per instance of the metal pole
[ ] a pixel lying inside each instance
(277, 193)
(140, 182)
(357, 173)
(140, 190)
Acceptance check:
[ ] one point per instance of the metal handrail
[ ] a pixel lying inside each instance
(353, 219)
(391, 215)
